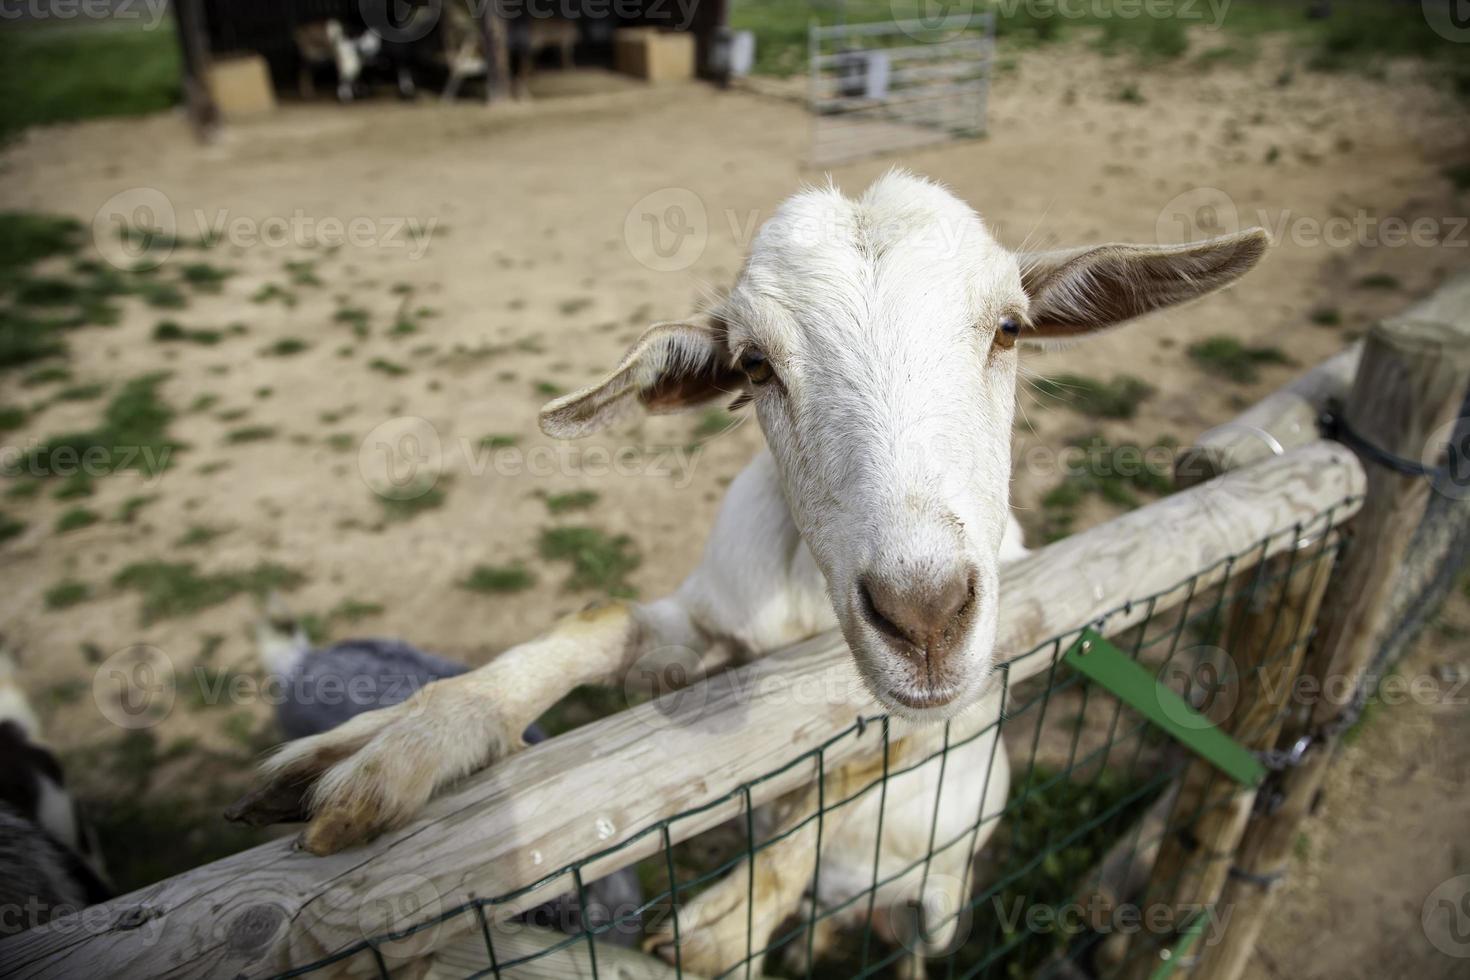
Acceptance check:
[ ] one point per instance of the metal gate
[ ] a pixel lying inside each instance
(896, 85)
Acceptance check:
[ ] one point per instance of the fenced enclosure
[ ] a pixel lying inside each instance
(1118, 834)
(895, 85)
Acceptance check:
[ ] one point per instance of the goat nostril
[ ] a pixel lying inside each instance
(876, 600)
(923, 617)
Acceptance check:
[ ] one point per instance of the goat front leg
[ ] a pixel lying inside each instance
(377, 770)
(718, 926)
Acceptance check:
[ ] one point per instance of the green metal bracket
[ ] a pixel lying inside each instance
(1105, 665)
(1181, 950)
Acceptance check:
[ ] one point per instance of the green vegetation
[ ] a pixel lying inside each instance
(547, 389)
(204, 277)
(498, 441)
(413, 500)
(133, 506)
(598, 560)
(27, 237)
(199, 535)
(251, 433)
(561, 503)
(286, 346)
(1115, 474)
(496, 579)
(171, 589)
(1326, 316)
(1116, 399)
(390, 368)
(1229, 358)
(169, 331)
(273, 293)
(81, 393)
(10, 527)
(65, 594)
(712, 422)
(133, 434)
(1358, 35)
(59, 76)
(1380, 280)
(75, 519)
(11, 417)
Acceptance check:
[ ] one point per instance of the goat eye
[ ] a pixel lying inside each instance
(756, 367)
(1010, 325)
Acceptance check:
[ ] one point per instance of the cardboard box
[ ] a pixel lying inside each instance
(654, 55)
(241, 86)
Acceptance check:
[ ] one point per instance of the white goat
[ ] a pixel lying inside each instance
(876, 341)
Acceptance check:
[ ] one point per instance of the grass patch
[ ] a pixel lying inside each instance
(60, 76)
(498, 441)
(411, 501)
(498, 579)
(76, 519)
(562, 503)
(1117, 474)
(286, 347)
(199, 535)
(1115, 399)
(1228, 358)
(173, 589)
(1380, 280)
(82, 393)
(12, 417)
(64, 595)
(10, 527)
(546, 389)
(1325, 316)
(133, 506)
(251, 433)
(712, 422)
(27, 237)
(271, 292)
(46, 376)
(75, 486)
(133, 433)
(599, 560)
(204, 277)
(170, 331)
(385, 366)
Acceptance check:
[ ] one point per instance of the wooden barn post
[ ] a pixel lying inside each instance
(1409, 385)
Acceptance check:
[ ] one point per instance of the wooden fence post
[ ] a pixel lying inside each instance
(1266, 641)
(1408, 387)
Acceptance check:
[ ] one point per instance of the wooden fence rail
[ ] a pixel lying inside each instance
(273, 908)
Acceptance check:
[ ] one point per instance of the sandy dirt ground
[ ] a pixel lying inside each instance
(540, 268)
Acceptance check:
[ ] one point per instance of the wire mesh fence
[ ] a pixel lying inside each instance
(898, 84)
(1051, 873)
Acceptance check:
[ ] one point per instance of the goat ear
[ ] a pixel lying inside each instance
(674, 366)
(1080, 290)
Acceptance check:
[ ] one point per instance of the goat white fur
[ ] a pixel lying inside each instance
(876, 340)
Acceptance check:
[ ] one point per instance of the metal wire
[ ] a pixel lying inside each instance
(1078, 792)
